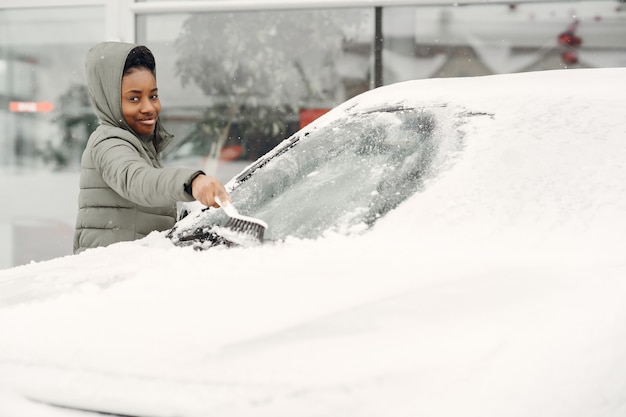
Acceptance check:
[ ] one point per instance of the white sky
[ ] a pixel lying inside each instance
(497, 291)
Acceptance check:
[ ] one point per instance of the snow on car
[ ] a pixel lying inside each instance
(437, 247)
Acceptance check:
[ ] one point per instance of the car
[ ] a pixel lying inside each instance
(441, 247)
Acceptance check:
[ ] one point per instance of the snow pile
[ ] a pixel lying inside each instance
(498, 291)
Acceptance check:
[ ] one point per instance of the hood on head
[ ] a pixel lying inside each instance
(104, 67)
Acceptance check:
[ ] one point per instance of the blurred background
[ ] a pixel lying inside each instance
(237, 77)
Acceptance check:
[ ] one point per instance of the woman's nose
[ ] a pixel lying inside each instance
(147, 106)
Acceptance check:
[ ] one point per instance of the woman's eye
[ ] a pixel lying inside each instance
(154, 97)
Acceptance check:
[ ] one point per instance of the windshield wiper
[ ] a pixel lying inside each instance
(284, 147)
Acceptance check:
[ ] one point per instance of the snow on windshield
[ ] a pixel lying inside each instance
(344, 176)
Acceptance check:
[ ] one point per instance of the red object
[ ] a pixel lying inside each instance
(30, 107)
(569, 39)
(569, 57)
(308, 115)
(569, 43)
(230, 153)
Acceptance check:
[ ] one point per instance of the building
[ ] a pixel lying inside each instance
(292, 55)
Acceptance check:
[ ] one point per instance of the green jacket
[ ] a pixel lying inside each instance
(125, 192)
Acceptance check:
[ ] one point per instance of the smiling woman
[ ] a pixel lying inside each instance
(140, 99)
(125, 192)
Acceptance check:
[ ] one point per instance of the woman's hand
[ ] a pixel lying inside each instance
(205, 188)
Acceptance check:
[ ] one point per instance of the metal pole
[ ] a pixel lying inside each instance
(378, 47)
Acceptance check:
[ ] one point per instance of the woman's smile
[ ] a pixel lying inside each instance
(140, 101)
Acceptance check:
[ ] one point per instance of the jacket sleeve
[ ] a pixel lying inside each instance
(129, 171)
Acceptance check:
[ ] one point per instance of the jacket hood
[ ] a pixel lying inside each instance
(104, 67)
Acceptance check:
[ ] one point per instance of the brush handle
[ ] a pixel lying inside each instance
(227, 207)
(232, 212)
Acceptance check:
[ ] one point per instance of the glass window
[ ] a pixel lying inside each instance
(235, 84)
(432, 42)
(311, 189)
(45, 114)
(308, 186)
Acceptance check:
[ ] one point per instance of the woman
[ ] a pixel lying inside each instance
(125, 192)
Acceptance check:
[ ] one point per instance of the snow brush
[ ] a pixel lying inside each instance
(239, 229)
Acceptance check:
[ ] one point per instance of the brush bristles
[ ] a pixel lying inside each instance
(249, 228)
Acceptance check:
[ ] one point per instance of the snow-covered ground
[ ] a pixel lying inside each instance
(497, 291)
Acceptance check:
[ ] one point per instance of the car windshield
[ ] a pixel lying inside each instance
(340, 177)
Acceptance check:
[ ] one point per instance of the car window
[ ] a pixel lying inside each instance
(340, 177)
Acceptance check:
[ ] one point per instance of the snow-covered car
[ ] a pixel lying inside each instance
(443, 247)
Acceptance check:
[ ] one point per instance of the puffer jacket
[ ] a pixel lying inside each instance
(125, 192)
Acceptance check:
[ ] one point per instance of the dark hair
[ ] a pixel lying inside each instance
(138, 57)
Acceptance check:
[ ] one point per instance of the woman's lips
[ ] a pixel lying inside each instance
(147, 122)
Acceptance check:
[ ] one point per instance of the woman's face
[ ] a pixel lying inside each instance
(140, 100)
